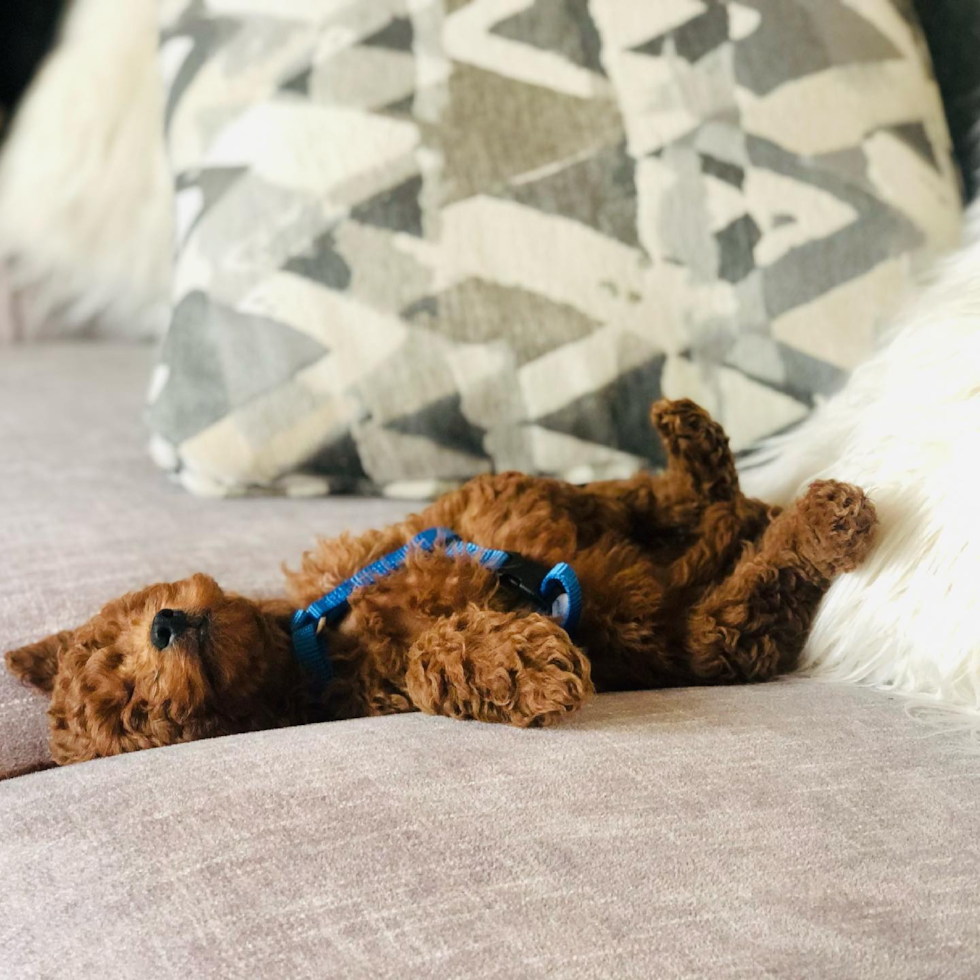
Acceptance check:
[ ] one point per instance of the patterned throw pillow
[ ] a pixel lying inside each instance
(422, 239)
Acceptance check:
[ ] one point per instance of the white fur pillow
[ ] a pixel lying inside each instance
(907, 428)
(86, 201)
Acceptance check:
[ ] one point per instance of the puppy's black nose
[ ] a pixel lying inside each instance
(168, 624)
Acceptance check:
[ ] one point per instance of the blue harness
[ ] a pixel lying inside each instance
(555, 590)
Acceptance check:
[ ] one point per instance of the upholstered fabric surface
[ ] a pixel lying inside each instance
(8, 322)
(85, 516)
(792, 830)
(420, 240)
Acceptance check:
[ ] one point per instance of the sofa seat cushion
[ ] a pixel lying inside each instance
(786, 830)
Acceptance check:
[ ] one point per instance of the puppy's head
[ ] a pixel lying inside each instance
(170, 663)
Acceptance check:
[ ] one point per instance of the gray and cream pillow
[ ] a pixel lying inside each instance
(422, 239)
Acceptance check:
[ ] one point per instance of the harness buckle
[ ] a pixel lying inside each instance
(525, 576)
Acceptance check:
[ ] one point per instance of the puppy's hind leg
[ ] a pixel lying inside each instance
(698, 457)
(753, 624)
(700, 472)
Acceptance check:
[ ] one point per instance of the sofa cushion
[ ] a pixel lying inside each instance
(9, 331)
(786, 830)
(86, 516)
(421, 240)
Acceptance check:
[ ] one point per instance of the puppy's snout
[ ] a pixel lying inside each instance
(168, 625)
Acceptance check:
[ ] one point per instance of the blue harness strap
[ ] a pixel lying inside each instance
(556, 590)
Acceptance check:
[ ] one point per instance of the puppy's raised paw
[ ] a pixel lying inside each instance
(837, 526)
(696, 444)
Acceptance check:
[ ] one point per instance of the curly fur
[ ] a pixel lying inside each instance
(685, 579)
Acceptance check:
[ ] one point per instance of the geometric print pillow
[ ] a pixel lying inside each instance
(424, 239)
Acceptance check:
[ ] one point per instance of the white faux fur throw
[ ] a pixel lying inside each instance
(907, 428)
(86, 206)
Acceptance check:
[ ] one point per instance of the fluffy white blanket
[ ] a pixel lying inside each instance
(907, 428)
(86, 210)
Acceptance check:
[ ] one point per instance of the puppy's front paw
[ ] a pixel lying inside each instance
(493, 666)
(555, 679)
(837, 526)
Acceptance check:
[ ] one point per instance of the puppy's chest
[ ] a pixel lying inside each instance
(669, 545)
(386, 619)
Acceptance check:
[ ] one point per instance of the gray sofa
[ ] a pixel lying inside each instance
(789, 830)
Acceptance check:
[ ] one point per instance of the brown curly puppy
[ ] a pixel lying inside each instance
(685, 581)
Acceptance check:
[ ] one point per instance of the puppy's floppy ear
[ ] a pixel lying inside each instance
(37, 664)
